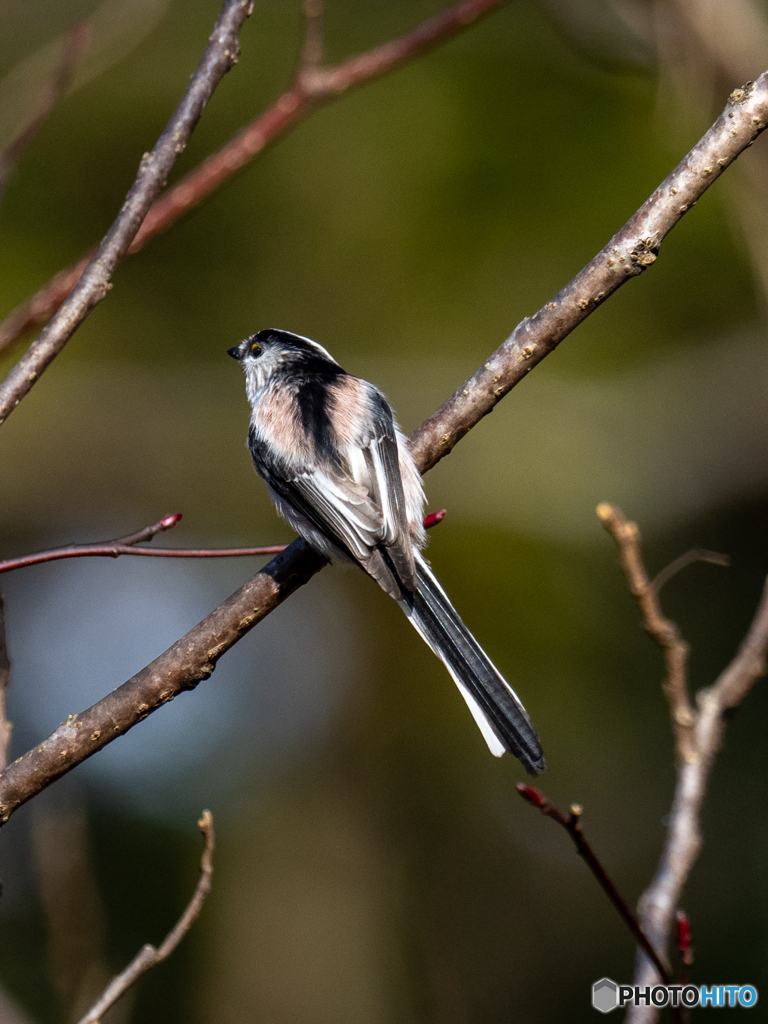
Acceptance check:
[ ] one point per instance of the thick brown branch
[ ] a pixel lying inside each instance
(661, 629)
(181, 667)
(220, 55)
(314, 85)
(697, 745)
(148, 956)
(194, 657)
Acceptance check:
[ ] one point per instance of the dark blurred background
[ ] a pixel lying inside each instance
(374, 863)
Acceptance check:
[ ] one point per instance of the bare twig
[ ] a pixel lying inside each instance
(313, 87)
(662, 630)
(572, 825)
(220, 55)
(75, 42)
(128, 546)
(698, 740)
(312, 52)
(683, 561)
(5, 678)
(194, 657)
(113, 550)
(148, 956)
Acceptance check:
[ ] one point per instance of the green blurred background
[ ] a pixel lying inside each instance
(374, 863)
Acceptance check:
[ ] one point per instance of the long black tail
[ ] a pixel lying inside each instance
(495, 706)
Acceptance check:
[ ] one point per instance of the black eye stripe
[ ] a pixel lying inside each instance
(256, 349)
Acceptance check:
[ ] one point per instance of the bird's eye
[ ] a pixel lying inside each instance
(255, 349)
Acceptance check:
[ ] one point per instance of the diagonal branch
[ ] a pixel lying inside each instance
(148, 956)
(194, 657)
(631, 250)
(314, 86)
(697, 747)
(572, 824)
(220, 55)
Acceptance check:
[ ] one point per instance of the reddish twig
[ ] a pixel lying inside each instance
(148, 956)
(220, 55)
(75, 43)
(313, 86)
(127, 546)
(572, 825)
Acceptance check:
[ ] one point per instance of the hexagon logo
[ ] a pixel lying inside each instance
(605, 995)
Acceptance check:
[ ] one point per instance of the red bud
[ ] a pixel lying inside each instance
(434, 518)
(532, 795)
(683, 932)
(168, 521)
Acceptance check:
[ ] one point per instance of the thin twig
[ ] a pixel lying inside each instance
(148, 956)
(220, 55)
(128, 546)
(75, 42)
(696, 752)
(308, 92)
(683, 561)
(5, 678)
(312, 52)
(194, 656)
(114, 550)
(659, 628)
(572, 825)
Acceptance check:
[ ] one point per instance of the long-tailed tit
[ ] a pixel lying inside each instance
(339, 470)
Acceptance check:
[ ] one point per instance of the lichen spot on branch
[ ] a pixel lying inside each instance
(645, 252)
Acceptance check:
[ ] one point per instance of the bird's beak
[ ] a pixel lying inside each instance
(234, 352)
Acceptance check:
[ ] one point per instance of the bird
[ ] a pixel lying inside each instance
(339, 470)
